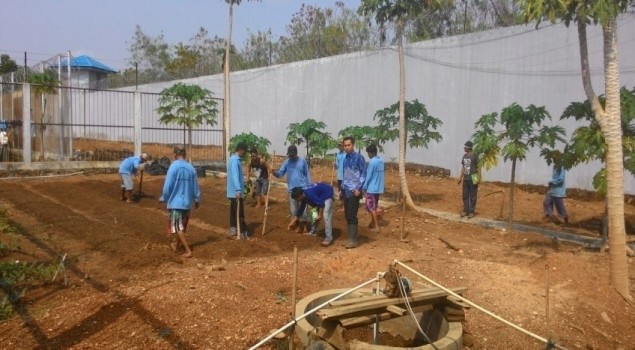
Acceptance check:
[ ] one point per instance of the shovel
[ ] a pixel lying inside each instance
(138, 195)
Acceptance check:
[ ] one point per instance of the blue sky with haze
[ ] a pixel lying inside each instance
(103, 29)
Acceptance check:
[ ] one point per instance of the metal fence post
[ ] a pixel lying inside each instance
(137, 122)
(26, 123)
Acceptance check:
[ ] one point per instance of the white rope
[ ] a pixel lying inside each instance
(404, 295)
(295, 320)
(489, 313)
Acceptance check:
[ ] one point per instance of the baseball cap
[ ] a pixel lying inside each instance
(469, 144)
(144, 156)
(292, 150)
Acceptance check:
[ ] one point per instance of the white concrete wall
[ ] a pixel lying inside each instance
(458, 79)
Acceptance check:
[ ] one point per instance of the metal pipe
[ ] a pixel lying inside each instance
(376, 324)
(304, 315)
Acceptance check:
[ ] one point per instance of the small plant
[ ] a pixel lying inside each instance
(17, 276)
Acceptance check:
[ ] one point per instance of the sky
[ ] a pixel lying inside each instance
(103, 29)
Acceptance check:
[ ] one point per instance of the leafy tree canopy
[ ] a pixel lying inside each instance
(7, 64)
(253, 142)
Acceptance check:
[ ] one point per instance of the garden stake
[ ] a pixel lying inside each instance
(547, 300)
(293, 292)
(239, 233)
(264, 220)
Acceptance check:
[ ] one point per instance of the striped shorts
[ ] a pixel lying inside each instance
(177, 220)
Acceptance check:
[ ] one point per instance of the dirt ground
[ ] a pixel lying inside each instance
(128, 290)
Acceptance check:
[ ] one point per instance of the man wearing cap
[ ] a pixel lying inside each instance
(181, 192)
(127, 169)
(298, 175)
(469, 174)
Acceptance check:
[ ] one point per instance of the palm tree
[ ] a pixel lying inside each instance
(608, 116)
(226, 70)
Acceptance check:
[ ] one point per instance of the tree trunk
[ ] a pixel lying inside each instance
(512, 187)
(609, 119)
(189, 144)
(612, 129)
(226, 102)
(402, 118)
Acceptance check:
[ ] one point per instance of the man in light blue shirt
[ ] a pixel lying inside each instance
(353, 182)
(235, 188)
(180, 192)
(556, 194)
(127, 169)
(374, 186)
(339, 165)
(298, 175)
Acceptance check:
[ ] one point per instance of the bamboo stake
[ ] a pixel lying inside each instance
(264, 220)
(239, 233)
(547, 300)
(293, 292)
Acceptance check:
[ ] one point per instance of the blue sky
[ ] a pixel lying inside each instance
(103, 29)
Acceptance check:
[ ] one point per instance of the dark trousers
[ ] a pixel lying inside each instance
(470, 191)
(232, 214)
(558, 202)
(351, 206)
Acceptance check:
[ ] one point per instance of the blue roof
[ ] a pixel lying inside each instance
(86, 62)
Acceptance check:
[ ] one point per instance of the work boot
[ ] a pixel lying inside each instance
(352, 237)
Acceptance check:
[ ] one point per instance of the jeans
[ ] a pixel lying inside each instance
(294, 206)
(328, 220)
(470, 192)
(558, 202)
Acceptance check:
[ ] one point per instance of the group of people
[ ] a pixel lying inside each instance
(469, 176)
(355, 180)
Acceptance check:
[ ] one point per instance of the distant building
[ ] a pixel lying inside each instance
(86, 72)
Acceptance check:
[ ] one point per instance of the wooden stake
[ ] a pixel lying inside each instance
(240, 233)
(547, 300)
(293, 293)
(264, 220)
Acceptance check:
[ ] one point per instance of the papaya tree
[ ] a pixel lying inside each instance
(311, 133)
(419, 124)
(364, 136)
(588, 144)
(44, 84)
(397, 12)
(188, 106)
(253, 142)
(604, 13)
(519, 130)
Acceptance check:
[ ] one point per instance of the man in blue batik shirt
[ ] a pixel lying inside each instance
(353, 182)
